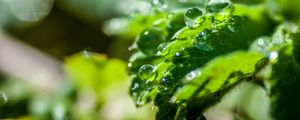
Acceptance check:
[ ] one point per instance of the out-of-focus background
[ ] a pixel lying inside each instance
(61, 60)
(67, 59)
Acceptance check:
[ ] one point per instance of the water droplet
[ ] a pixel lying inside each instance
(191, 16)
(181, 57)
(86, 54)
(147, 72)
(132, 47)
(149, 40)
(160, 4)
(192, 13)
(235, 24)
(261, 44)
(190, 76)
(129, 65)
(203, 40)
(216, 6)
(135, 86)
(167, 81)
(177, 54)
(273, 56)
(142, 98)
(3, 98)
(162, 49)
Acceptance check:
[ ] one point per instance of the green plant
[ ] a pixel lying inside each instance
(190, 55)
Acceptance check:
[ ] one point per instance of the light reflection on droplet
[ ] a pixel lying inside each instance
(192, 75)
(173, 99)
(3, 98)
(135, 86)
(132, 47)
(273, 56)
(86, 53)
(261, 42)
(129, 65)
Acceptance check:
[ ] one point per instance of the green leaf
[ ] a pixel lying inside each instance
(216, 79)
(94, 71)
(207, 37)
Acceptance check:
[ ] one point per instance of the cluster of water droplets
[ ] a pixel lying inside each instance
(192, 17)
(140, 91)
(146, 82)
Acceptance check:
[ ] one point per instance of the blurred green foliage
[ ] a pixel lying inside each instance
(188, 57)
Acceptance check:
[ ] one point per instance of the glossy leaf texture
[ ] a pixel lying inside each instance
(166, 74)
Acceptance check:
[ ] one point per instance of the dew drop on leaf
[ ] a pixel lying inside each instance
(180, 57)
(192, 13)
(135, 86)
(235, 24)
(191, 75)
(167, 81)
(86, 53)
(142, 99)
(162, 49)
(202, 40)
(149, 40)
(191, 16)
(147, 72)
(273, 56)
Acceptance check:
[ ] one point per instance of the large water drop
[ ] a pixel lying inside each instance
(149, 40)
(191, 16)
(147, 72)
(162, 49)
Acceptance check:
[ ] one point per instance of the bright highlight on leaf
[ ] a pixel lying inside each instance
(186, 62)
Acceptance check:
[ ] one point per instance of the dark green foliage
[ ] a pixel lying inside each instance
(296, 47)
(185, 69)
(285, 92)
